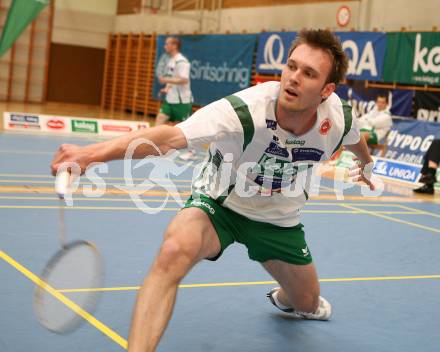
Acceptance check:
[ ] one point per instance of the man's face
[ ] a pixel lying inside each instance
(381, 103)
(303, 81)
(170, 46)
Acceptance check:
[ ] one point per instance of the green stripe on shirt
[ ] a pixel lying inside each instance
(348, 120)
(242, 111)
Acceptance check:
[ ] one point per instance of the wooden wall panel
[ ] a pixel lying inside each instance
(129, 74)
(126, 7)
(75, 74)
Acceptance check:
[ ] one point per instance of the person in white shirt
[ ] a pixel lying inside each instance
(376, 124)
(262, 140)
(177, 105)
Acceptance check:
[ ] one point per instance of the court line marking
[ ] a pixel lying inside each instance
(27, 182)
(92, 178)
(50, 190)
(154, 200)
(76, 207)
(420, 211)
(65, 300)
(373, 213)
(254, 283)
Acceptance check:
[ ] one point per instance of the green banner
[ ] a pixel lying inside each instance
(87, 126)
(21, 13)
(413, 58)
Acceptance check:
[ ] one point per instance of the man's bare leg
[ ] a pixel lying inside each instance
(366, 135)
(299, 284)
(189, 238)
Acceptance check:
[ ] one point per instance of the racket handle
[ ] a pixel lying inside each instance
(62, 183)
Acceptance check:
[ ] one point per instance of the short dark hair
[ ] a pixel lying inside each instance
(329, 42)
(176, 41)
(383, 95)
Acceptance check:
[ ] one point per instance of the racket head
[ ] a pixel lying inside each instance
(77, 265)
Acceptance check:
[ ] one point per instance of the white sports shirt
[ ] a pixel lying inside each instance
(179, 66)
(252, 161)
(381, 121)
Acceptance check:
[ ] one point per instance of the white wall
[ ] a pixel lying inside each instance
(160, 23)
(288, 17)
(84, 22)
(236, 20)
(385, 15)
(392, 15)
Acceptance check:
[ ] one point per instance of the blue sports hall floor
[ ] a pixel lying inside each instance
(378, 260)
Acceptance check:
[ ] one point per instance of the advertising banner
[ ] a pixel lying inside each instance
(427, 106)
(364, 99)
(413, 58)
(396, 170)
(409, 140)
(220, 64)
(272, 51)
(16, 121)
(366, 51)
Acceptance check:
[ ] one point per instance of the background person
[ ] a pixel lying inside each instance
(430, 165)
(376, 124)
(177, 105)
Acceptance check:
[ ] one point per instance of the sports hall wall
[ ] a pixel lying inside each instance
(79, 39)
(383, 15)
(67, 59)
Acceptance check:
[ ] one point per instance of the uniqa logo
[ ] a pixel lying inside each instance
(366, 62)
(381, 168)
(432, 63)
(270, 61)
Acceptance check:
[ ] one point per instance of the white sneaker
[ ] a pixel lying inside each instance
(323, 312)
(189, 155)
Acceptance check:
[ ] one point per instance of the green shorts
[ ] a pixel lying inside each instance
(176, 112)
(264, 241)
(373, 135)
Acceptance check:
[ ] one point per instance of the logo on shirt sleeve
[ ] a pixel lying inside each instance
(271, 124)
(325, 127)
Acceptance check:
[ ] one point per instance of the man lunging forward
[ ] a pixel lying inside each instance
(275, 126)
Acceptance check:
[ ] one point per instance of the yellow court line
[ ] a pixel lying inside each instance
(76, 207)
(80, 199)
(254, 283)
(66, 301)
(355, 204)
(158, 200)
(83, 183)
(91, 178)
(422, 212)
(51, 190)
(432, 229)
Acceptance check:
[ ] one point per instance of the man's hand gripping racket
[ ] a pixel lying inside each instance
(77, 265)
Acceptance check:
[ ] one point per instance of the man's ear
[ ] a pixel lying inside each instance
(328, 89)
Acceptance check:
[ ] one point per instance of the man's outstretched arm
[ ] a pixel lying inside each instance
(164, 138)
